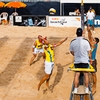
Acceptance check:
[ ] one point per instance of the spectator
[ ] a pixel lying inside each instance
(14, 14)
(77, 11)
(4, 16)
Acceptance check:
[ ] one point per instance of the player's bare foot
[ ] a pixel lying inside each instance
(47, 84)
(38, 87)
(30, 64)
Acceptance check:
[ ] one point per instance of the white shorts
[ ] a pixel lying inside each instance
(38, 50)
(49, 67)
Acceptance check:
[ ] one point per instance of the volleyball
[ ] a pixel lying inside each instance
(52, 11)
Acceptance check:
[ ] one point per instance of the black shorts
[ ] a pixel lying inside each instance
(82, 65)
(94, 64)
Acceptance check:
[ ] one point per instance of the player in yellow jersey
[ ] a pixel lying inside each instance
(49, 61)
(37, 48)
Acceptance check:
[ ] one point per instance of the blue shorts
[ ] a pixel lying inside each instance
(90, 22)
(82, 65)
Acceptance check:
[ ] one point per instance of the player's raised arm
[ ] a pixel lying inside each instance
(59, 43)
(90, 37)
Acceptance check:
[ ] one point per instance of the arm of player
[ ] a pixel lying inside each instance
(59, 43)
(90, 56)
(44, 56)
(89, 33)
(72, 52)
(34, 45)
(90, 37)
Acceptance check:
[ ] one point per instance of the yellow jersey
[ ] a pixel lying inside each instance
(49, 52)
(39, 44)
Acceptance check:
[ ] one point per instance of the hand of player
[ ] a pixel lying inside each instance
(66, 38)
(90, 61)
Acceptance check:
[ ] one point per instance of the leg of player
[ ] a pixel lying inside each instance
(32, 59)
(94, 83)
(76, 81)
(45, 78)
(86, 82)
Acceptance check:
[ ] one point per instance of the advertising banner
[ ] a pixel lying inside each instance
(79, 1)
(69, 21)
(18, 18)
(64, 21)
(97, 21)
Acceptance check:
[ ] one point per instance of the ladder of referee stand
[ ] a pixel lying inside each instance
(81, 95)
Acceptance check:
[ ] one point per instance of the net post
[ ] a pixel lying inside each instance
(82, 14)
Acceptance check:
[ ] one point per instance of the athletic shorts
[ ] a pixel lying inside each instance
(94, 64)
(38, 50)
(49, 67)
(82, 65)
(90, 22)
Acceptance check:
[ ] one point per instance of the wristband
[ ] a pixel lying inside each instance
(54, 45)
(33, 46)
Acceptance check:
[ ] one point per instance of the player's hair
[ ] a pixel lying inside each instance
(97, 40)
(39, 36)
(79, 32)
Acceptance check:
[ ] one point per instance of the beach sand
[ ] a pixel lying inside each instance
(19, 81)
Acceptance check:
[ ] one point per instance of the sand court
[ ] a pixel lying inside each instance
(18, 80)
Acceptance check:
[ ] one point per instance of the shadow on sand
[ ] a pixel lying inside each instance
(11, 69)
